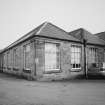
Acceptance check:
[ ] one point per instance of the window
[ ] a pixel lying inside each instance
(52, 57)
(26, 56)
(93, 56)
(75, 56)
(5, 60)
(14, 57)
(9, 59)
(8, 55)
(104, 55)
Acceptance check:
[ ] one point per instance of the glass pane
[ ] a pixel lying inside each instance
(76, 49)
(79, 49)
(72, 61)
(77, 65)
(72, 55)
(93, 57)
(73, 65)
(76, 56)
(72, 49)
(50, 61)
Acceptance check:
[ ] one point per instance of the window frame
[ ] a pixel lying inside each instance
(104, 55)
(8, 58)
(14, 59)
(79, 68)
(92, 49)
(25, 69)
(58, 56)
(5, 60)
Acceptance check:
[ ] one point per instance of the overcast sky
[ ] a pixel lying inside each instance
(17, 17)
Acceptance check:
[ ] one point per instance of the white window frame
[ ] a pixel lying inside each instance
(80, 48)
(104, 55)
(57, 56)
(24, 55)
(5, 60)
(8, 58)
(94, 54)
(14, 57)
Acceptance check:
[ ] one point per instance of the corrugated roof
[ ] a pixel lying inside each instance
(84, 34)
(46, 29)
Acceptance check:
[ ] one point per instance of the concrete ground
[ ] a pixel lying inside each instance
(15, 91)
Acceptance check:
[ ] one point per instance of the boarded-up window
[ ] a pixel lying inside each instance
(9, 59)
(75, 56)
(8, 55)
(93, 56)
(104, 55)
(16, 58)
(27, 52)
(5, 60)
(52, 57)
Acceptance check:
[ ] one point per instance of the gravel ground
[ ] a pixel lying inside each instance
(15, 91)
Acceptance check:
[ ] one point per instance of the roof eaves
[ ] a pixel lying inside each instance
(25, 36)
(57, 38)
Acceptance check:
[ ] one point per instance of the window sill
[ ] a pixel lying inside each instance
(4, 67)
(8, 68)
(15, 69)
(75, 70)
(27, 70)
(102, 69)
(53, 71)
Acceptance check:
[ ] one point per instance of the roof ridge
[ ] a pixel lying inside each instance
(56, 27)
(62, 30)
(100, 33)
(44, 24)
(82, 30)
(86, 35)
(53, 25)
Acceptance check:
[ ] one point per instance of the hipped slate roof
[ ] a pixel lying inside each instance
(48, 30)
(0, 51)
(82, 34)
(101, 35)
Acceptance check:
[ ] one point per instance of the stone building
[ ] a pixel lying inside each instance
(101, 35)
(48, 52)
(43, 52)
(93, 49)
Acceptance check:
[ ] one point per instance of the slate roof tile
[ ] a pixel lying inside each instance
(101, 35)
(89, 37)
(46, 29)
